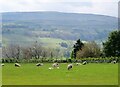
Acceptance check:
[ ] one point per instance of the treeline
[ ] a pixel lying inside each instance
(111, 48)
(87, 51)
(35, 52)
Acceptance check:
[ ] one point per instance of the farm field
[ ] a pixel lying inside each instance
(90, 74)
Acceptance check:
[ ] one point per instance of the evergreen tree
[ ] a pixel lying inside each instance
(112, 45)
(77, 46)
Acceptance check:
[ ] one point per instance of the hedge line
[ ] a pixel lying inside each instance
(65, 60)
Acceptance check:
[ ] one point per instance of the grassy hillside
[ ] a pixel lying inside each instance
(30, 26)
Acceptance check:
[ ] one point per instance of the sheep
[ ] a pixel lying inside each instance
(78, 64)
(50, 68)
(58, 67)
(39, 64)
(84, 63)
(17, 65)
(96, 61)
(55, 65)
(2, 64)
(70, 66)
(114, 62)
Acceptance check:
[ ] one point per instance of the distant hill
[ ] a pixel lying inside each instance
(31, 26)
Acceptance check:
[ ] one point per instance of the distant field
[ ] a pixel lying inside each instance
(90, 74)
(26, 41)
(51, 42)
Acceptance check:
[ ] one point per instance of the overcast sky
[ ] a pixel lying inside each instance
(104, 7)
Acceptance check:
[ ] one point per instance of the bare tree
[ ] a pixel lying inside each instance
(12, 51)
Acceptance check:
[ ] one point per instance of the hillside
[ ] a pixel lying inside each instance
(25, 27)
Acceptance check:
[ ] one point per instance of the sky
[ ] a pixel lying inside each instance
(103, 7)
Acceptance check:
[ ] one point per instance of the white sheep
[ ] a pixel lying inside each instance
(50, 68)
(58, 67)
(78, 64)
(55, 65)
(17, 65)
(70, 66)
(84, 63)
(2, 64)
(39, 64)
(114, 62)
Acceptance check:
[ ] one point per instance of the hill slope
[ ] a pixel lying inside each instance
(31, 26)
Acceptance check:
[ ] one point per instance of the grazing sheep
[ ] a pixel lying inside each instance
(17, 65)
(78, 64)
(50, 68)
(39, 64)
(84, 63)
(96, 61)
(55, 65)
(114, 62)
(70, 66)
(2, 64)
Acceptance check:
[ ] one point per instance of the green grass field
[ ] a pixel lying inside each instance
(90, 74)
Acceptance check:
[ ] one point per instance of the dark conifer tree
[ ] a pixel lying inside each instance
(77, 46)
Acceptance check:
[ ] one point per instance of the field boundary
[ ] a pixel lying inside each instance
(60, 85)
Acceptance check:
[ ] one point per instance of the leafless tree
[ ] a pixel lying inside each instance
(12, 51)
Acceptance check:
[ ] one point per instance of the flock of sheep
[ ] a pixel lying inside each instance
(56, 65)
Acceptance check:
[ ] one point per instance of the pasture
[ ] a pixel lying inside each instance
(30, 74)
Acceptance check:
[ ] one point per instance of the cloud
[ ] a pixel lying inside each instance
(105, 7)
